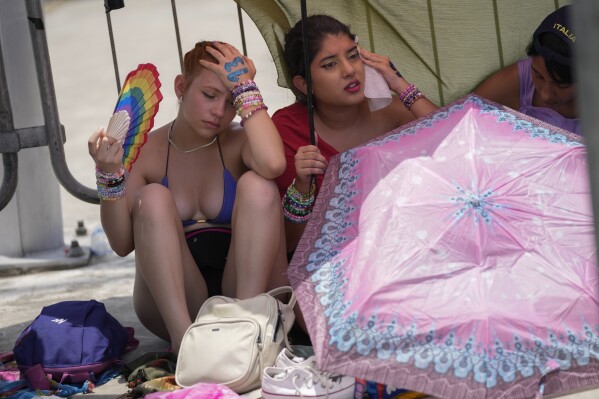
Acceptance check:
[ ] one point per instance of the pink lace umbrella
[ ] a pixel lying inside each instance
(456, 257)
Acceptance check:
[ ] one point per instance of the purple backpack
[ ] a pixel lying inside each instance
(70, 341)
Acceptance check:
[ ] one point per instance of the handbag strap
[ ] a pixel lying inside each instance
(284, 290)
(290, 304)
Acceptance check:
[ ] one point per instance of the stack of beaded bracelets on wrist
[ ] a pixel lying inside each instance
(298, 206)
(410, 95)
(111, 186)
(246, 96)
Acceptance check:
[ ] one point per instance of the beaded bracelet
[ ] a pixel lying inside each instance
(247, 100)
(296, 213)
(242, 87)
(111, 186)
(410, 95)
(111, 193)
(252, 112)
(247, 96)
(412, 98)
(407, 92)
(298, 206)
(298, 195)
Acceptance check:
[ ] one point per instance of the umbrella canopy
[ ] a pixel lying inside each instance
(445, 47)
(455, 256)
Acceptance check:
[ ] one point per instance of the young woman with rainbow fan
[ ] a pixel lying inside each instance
(199, 206)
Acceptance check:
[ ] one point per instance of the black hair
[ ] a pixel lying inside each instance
(559, 72)
(319, 26)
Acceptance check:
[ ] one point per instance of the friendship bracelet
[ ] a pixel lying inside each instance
(110, 186)
(410, 95)
(294, 193)
(252, 112)
(248, 100)
(109, 175)
(243, 87)
(412, 99)
(295, 214)
(111, 182)
(407, 92)
(298, 206)
(112, 193)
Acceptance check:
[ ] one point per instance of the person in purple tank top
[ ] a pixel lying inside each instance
(542, 85)
(199, 207)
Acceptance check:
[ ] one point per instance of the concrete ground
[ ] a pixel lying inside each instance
(86, 91)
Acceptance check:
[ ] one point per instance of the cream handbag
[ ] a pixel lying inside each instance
(232, 341)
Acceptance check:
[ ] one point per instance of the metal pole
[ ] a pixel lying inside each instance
(50, 107)
(10, 179)
(240, 17)
(10, 160)
(114, 60)
(176, 21)
(586, 52)
(308, 75)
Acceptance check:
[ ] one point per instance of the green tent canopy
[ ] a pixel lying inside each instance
(445, 47)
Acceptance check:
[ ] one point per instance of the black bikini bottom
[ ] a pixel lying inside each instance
(209, 248)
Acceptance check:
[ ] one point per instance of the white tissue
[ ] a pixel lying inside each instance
(376, 89)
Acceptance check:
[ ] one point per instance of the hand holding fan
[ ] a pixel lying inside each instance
(135, 109)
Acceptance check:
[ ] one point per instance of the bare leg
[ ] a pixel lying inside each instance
(169, 288)
(257, 259)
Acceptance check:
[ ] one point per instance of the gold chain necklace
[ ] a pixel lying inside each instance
(170, 129)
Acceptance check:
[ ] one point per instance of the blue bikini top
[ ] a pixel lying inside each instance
(230, 186)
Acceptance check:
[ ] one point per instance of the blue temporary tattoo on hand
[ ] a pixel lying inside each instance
(395, 69)
(234, 76)
(233, 64)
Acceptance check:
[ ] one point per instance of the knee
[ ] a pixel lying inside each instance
(257, 192)
(151, 201)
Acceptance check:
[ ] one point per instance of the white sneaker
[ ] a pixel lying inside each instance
(286, 358)
(305, 382)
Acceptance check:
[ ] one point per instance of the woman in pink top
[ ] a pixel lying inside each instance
(541, 85)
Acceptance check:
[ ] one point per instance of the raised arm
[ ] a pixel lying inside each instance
(115, 189)
(263, 150)
(416, 104)
(503, 87)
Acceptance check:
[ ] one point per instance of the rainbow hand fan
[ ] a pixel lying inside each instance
(135, 109)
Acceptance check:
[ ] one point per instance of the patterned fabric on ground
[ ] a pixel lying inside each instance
(151, 372)
(8, 368)
(162, 384)
(11, 387)
(20, 390)
(371, 390)
(201, 390)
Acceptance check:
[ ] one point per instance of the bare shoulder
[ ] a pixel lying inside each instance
(502, 87)
(156, 140)
(394, 115)
(231, 141)
(148, 163)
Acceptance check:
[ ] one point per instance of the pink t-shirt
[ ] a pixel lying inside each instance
(527, 90)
